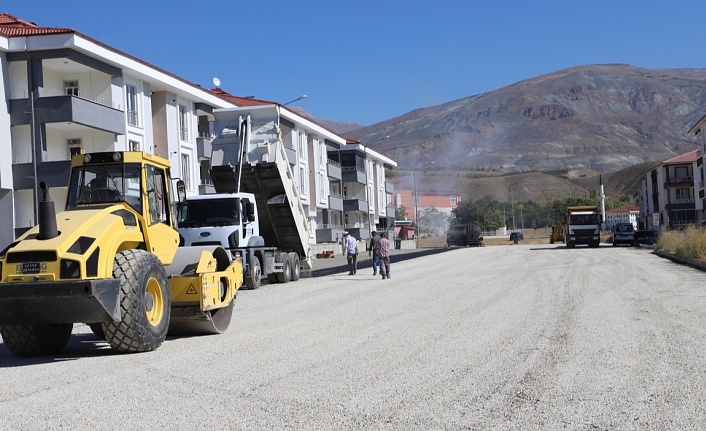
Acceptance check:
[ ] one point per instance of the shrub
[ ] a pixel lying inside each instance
(689, 243)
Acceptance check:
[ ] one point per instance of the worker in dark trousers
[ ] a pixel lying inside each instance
(350, 250)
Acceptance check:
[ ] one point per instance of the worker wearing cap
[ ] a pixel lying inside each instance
(350, 250)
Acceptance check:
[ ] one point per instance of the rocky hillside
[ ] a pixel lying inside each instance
(601, 118)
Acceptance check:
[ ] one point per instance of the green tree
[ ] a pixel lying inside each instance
(401, 213)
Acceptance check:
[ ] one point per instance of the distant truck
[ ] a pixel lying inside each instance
(468, 234)
(582, 226)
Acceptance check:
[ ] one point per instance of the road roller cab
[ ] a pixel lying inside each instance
(112, 260)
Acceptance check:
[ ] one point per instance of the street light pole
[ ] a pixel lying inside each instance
(416, 203)
(303, 96)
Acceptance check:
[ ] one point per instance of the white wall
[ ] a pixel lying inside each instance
(5, 129)
(21, 144)
(17, 73)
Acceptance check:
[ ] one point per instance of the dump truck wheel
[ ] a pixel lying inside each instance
(253, 280)
(36, 340)
(145, 303)
(296, 266)
(97, 329)
(286, 275)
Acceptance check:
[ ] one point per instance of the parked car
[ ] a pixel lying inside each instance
(623, 233)
(646, 237)
(517, 236)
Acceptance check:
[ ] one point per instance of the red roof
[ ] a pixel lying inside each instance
(11, 26)
(240, 101)
(689, 157)
(624, 209)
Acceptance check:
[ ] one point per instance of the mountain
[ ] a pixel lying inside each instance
(598, 117)
(334, 126)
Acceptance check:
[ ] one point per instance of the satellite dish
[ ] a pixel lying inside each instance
(217, 82)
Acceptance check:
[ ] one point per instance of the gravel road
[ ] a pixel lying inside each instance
(509, 338)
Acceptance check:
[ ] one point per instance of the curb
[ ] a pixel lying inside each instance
(397, 258)
(694, 263)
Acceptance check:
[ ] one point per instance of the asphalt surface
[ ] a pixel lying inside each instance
(507, 338)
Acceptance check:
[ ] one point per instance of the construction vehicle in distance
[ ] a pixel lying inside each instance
(111, 260)
(557, 235)
(256, 210)
(582, 226)
(468, 234)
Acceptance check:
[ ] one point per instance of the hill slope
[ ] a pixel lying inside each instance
(600, 117)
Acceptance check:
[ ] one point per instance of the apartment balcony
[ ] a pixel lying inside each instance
(390, 211)
(59, 109)
(359, 231)
(333, 169)
(389, 187)
(203, 147)
(679, 182)
(329, 233)
(352, 174)
(335, 202)
(355, 205)
(54, 174)
(681, 204)
(681, 224)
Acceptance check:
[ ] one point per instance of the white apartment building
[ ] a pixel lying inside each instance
(64, 92)
(667, 197)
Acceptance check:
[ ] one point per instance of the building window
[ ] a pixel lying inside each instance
(71, 88)
(183, 124)
(302, 180)
(185, 171)
(131, 104)
(133, 145)
(453, 200)
(74, 146)
(683, 196)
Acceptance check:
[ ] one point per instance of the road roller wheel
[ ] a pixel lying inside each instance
(36, 340)
(145, 303)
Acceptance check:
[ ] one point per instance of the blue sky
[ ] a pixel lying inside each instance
(369, 61)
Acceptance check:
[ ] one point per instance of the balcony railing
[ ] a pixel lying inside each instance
(133, 117)
(352, 169)
(331, 226)
(101, 100)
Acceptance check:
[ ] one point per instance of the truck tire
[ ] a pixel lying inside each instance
(97, 329)
(296, 266)
(145, 303)
(36, 340)
(253, 280)
(286, 275)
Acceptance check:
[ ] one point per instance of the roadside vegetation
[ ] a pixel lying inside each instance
(689, 243)
(491, 214)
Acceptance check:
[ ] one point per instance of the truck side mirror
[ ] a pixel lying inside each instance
(181, 191)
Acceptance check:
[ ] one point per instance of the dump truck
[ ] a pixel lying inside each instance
(467, 234)
(255, 210)
(582, 226)
(112, 260)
